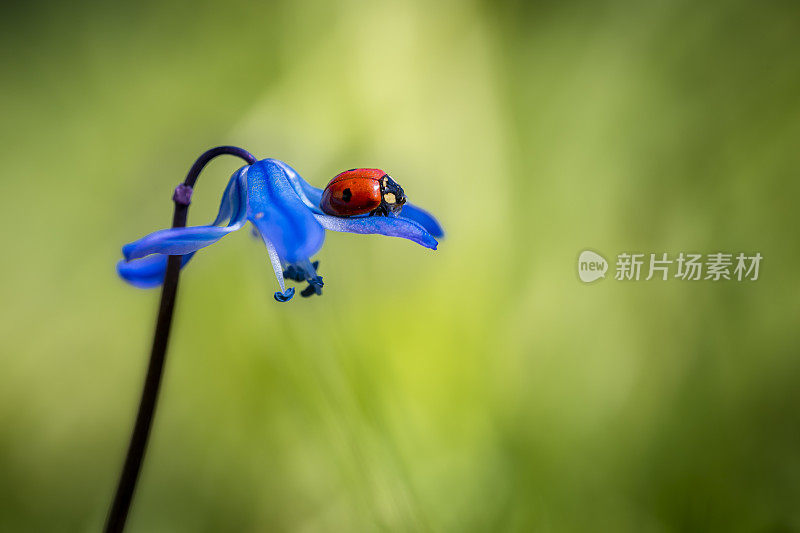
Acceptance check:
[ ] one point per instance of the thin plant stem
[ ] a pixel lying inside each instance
(147, 406)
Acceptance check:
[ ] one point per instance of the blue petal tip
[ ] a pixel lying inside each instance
(284, 296)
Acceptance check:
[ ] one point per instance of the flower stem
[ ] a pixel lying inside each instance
(147, 405)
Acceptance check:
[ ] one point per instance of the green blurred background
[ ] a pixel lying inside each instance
(481, 387)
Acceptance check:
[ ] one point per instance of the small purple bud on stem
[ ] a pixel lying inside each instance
(183, 194)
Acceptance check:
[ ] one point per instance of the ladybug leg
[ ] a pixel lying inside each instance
(379, 211)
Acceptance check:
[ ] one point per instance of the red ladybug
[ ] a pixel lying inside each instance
(359, 191)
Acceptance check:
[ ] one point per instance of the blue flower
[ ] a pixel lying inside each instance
(284, 210)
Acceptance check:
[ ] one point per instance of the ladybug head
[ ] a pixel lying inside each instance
(392, 194)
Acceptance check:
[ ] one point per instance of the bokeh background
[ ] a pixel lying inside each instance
(481, 387)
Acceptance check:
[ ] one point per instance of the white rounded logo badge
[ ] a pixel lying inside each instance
(591, 266)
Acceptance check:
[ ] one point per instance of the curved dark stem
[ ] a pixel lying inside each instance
(144, 418)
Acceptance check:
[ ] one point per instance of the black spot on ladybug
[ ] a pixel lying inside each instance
(347, 194)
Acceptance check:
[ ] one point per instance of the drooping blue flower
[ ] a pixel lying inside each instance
(284, 210)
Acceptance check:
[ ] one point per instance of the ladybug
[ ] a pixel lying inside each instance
(359, 191)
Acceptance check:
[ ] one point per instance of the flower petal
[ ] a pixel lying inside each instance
(423, 218)
(390, 226)
(284, 295)
(312, 196)
(309, 194)
(281, 216)
(147, 272)
(176, 241)
(232, 199)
